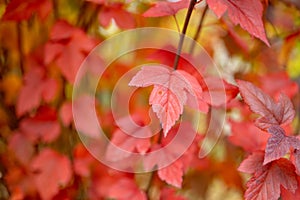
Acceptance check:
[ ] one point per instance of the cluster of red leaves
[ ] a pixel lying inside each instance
(273, 174)
(39, 166)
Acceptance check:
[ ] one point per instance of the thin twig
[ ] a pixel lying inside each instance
(199, 29)
(186, 23)
(177, 24)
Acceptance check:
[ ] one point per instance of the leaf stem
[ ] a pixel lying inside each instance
(181, 39)
(176, 21)
(198, 32)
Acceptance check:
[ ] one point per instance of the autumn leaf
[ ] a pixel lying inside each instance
(170, 92)
(280, 113)
(217, 92)
(166, 8)
(276, 83)
(167, 173)
(125, 189)
(252, 163)
(174, 171)
(123, 145)
(288, 195)
(43, 126)
(68, 47)
(116, 12)
(267, 179)
(66, 114)
(279, 144)
(52, 171)
(166, 106)
(86, 122)
(18, 10)
(22, 147)
(170, 194)
(248, 136)
(247, 13)
(37, 87)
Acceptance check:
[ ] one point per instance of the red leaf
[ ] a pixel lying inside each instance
(66, 114)
(217, 92)
(166, 8)
(116, 11)
(170, 194)
(279, 144)
(247, 13)
(172, 174)
(22, 147)
(296, 155)
(266, 183)
(287, 195)
(82, 161)
(267, 179)
(272, 113)
(248, 136)
(35, 89)
(252, 163)
(43, 125)
(277, 83)
(86, 122)
(171, 88)
(68, 47)
(52, 171)
(19, 10)
(127, 144)
(126, 189)
(166, 106)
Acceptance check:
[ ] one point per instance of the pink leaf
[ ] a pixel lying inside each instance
(35, 89)
(277, 83)
(247, 13)
(22, 147)
(170, 194)
(126, 189)
(218, 92)
(43, 125)
(166, 8)
(252, 163)
(248, 136)
(68, 47)
(166, 106)
(123, 18)
(86, 122)
(272, 113)
(279, 144)
(296, 155)
(19, 10)
(288, 195)
(30, 94)
(66, 114)
(122, 145)
(52, 172)
(266, 183)
(170, 92)
(172, 174)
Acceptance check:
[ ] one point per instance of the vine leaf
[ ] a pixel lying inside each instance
(280, 113)
(247, 13)
(267, 179)
(43, 166)
(171, 90)
(68, 47)
(279, 144)
(166, 8)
